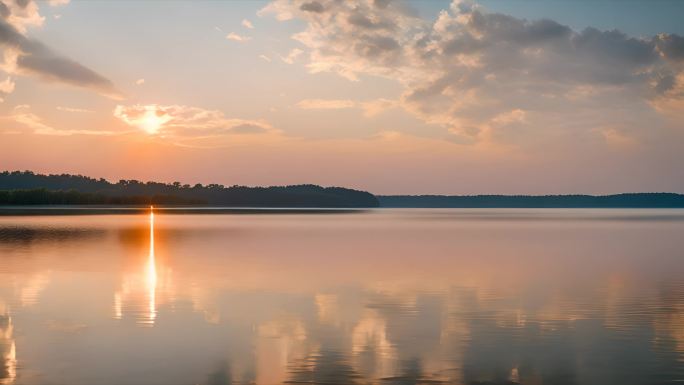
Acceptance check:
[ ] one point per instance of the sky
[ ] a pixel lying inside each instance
(392, 97)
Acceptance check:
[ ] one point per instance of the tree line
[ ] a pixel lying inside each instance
(26, 187)
(627, 200)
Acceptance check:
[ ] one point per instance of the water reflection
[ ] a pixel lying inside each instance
(375, 298)
(140, 287)
(151, 276)
(8, 350)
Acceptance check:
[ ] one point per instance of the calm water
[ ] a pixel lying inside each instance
(381, 297)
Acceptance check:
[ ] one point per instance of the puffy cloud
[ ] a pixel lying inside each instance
(178, 121)
(469, 68)
(239, 38)
(25, 56)
(21, 14)
(247, 24)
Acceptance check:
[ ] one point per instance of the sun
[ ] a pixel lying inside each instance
(152, 120)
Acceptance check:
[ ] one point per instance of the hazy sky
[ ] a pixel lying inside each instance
(390, 97)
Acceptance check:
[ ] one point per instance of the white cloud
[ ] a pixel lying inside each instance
(247, 24)
(239, 38)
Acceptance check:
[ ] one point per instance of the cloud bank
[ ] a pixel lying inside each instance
(469, 69)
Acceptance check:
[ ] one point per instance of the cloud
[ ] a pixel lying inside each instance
(312, 6)
(23, 115)
(140, 82)
(671, 46)
(6, 88)
(370, 108)
(72, 109)
(265, 58)
(56, 3)
(21, 14)
(239, 38)
(325, 104)
(378, 106)
(28, 57)
(179, 121)
(617, 138)
(31, 120)
(468, 68)
(292, 56)
(247, 24)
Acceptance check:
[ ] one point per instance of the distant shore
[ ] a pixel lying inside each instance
(67, 192)
(28, 210)
(625, 200)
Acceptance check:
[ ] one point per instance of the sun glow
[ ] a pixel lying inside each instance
(149, 118)
(152, 121)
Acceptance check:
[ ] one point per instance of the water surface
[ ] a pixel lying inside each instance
(457, 296)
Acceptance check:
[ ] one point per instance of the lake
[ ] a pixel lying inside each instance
(414, 296)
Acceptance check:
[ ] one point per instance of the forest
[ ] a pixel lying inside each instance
(26, 187)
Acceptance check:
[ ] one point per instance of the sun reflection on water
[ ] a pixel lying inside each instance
(8, 351)
(142, 285)
(151, 277)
